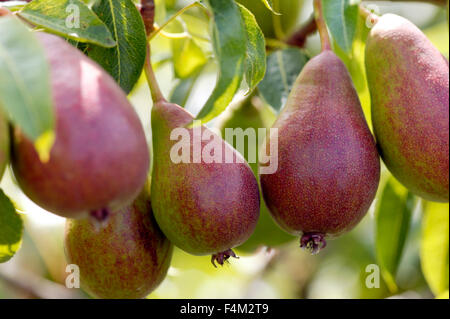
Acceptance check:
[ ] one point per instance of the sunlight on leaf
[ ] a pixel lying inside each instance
(269, 5)
(70, 18)
(255, 62)
(11, 228)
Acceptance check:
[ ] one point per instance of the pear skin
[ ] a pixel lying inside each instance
(204, 207)
(100, 158)
(409, 83)
(328, 165)
(126, 259)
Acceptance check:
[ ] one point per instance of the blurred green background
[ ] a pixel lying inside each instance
(39, 268)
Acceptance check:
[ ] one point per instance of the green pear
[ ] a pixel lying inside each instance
(127, 258)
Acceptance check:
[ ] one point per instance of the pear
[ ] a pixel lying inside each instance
(203, 205)
(4, 143)
(127, 258)
(409, 83)
(328, 165)
(100, 159)
(251, 113)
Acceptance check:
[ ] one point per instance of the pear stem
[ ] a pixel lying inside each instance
(157, 95)
(321, 25)
(367, 14)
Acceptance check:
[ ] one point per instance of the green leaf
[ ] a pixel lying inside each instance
(188, 57)
(230, 46)
(126, 60)
(393, 220)
(341, 17)
(180, 93)
(354, 61)
(255, 62)
(69, 18)
(25, 91)
(435, 247)
(283, 68)
(11, 229)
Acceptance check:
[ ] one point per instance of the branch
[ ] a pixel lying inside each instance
(299, 37)
(148, 15)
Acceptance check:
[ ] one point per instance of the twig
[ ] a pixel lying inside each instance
(299, 38)
(148, 15)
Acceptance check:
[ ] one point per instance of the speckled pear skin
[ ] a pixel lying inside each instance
(251, 113)
(4, 143)
(328, 165)
(127, 259)
(409, 83)
(203, 208)
(100, 158)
